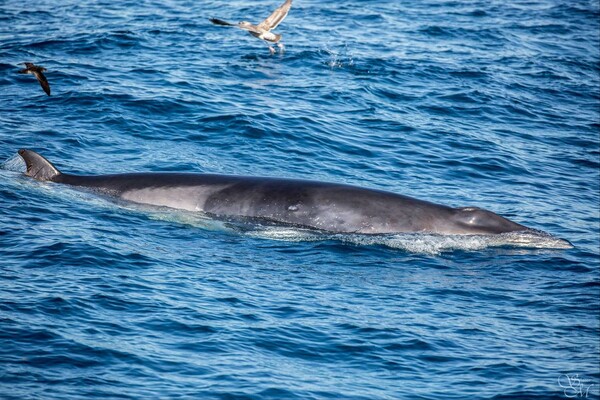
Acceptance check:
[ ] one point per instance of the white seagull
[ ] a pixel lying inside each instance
(263, 30)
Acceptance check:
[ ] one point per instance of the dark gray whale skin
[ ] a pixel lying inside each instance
(325, 206)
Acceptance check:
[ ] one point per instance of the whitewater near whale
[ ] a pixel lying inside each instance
(330, 207)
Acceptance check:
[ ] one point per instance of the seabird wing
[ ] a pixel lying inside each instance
(249, 27)
(276, 17)
(27, 69)
(43, 81)
(217, 21)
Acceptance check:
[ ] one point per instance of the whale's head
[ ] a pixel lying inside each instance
(473, 220)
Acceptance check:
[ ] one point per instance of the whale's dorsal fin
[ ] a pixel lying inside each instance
(38, 167)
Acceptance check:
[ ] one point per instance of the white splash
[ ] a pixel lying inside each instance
(14, 164)
(419, 242)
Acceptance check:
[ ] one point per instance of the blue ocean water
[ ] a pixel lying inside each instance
(486, 103)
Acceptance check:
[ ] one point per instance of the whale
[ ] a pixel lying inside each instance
(324, 206)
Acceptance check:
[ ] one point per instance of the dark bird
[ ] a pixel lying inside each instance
(263, 30)
(38, 72)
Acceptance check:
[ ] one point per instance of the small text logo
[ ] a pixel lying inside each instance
(574, 386)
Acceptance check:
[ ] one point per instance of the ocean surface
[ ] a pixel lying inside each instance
(494, 104)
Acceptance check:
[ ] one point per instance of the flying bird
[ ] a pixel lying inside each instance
(263, 30)
(38, 72)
